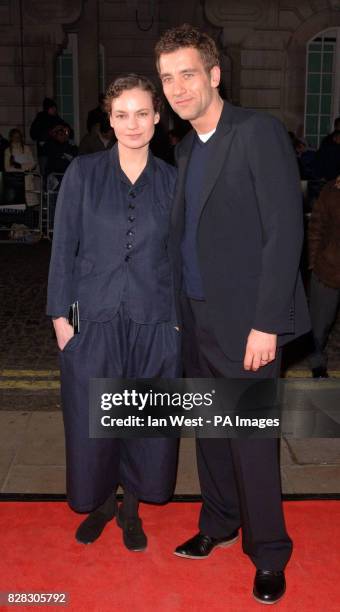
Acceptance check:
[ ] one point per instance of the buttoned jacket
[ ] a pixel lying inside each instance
(250, 230)
(102, 253)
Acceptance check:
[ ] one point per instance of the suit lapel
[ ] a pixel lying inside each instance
(215, 164)
(182, 164)
(223, 139)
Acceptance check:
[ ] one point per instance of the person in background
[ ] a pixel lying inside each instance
(328, 158)
(174, 137)
(42, 126)
(58, 150)
(3, 146)
(324, 261)
(19, 158)
(96, 115)
(328, 138)
(102, 137)
(305, 158)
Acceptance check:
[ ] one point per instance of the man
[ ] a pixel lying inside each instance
(236, 235)
(329, 137)
(96, 115)
(324, 261)
(42, 126)
(58, 150)
(4, 144)
(101, 138)
(328, 158)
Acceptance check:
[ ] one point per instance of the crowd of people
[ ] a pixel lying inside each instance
(54, 146)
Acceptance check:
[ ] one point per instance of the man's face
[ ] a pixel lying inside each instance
(133, 118)
(187, 85)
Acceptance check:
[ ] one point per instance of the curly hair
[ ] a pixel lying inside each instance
(131, 81)
(187, 35)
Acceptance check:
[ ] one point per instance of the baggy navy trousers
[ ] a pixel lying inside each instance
(120, 348)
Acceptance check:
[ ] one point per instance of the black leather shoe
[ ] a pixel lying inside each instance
(201, 545)
(269, 586)
(134, 537)
(320, 372)
(91, 528)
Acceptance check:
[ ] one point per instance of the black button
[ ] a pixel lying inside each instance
(127, 257)
(131, 218)
(132, 194)
(129, 245)
(132, 206)
(130, 233)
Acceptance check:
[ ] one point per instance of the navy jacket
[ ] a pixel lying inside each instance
(250, 230)
(89, 261)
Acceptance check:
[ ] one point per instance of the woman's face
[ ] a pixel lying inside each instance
(133, 118)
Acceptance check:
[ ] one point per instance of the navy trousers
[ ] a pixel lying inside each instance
(239, 477)
(119, 348)
(324, 304)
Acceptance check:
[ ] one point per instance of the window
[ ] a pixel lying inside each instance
(322, 86)
(67, 84)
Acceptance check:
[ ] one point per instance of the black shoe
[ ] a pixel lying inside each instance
(269, 586)
(320, 372)
(134, 537)
(201, 545)
(91, 528)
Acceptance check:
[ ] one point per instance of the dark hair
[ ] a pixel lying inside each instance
(336, 133)
(130, 81)
(188, 36)
(48, 103)
(10, 136)
(336, 120)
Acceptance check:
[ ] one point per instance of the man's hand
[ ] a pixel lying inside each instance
(63, 330)
(260, 350)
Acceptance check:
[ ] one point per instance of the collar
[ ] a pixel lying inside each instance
(144, 178)
(224, 125)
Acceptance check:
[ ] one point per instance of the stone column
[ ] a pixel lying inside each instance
(234, 52)
(88, 49)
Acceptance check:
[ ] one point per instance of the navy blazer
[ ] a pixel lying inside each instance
(250, 230)
(89, 259)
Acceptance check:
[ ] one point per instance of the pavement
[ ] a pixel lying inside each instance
(32, 454)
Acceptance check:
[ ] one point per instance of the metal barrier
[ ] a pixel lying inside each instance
(21, 203)
(53, 182)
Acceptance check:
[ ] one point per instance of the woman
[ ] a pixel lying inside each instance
(19, 158)
(110, 255)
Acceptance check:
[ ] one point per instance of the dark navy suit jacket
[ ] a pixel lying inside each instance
(250, 230)
(88, 261)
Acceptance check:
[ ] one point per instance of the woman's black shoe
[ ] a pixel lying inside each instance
(134, 537)
(91, 528)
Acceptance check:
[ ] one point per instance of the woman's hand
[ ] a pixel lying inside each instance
(63, 330)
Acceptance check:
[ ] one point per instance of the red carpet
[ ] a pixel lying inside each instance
(39, 554)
